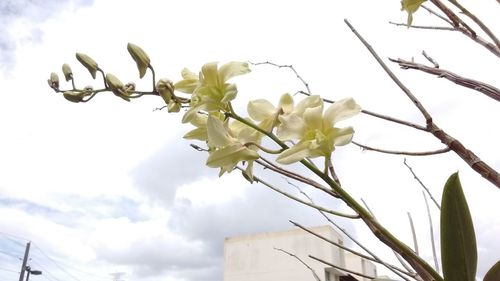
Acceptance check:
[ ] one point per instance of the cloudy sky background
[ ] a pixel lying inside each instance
(110, 186)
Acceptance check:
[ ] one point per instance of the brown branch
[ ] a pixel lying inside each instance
(286, 66)
(271, 166)
(468, 156)
(479, 40)
(423, 153)
(302, 262)
(414, 235)
(408, 93)
(312, 205)
(341, 268)
(421, 184)
(457, 22)
(431, 60)
(389, 266)
(478, 22)
(479, 86)
(424, 26)
(431, 230)
(431, 11)
(380, 116)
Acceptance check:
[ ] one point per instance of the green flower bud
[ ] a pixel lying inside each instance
(165, 88)
(140, 57)
(68, 74)
(54, 81)
(74, 96)
(88, 62)
(174, 106)
(116, 86)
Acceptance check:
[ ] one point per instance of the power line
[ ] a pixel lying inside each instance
(9, 270)
(45, 272)
(55, 263)
(9, 254)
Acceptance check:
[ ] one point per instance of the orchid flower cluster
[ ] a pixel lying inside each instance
(307, 125)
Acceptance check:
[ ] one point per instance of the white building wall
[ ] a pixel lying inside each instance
(253, 257)
(360, 265)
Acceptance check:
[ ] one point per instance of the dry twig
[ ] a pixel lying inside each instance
(467, 155)
(479, 86)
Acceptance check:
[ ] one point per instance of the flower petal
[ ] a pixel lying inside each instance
(231, 69)
(292, 127)
(187, 85)
(229, 156)
(188, 74)
(286, 103)
(313, 118)
(197, 134)
(217, 134)
(311, 101)
(342, 136)
(210, 74)
(260, 109)
(341, 110)
(294, 153)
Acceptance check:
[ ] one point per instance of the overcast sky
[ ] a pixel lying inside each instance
(110, 186)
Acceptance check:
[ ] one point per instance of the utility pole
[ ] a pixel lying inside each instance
(25, 260)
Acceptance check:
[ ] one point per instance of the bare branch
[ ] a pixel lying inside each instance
(423, 153)
(317, 207)
(400, 259)
(431, 60)
(468, 156)
(457, 21)
(437, 15)
(286, 66)
(424, 26)
(491, 47)
(341, 268)
(478, 22)
(269, 165)
(391, 267)
(412, 227)
(384, 117)
(479, 86)
(408, 93)
(302, 262)
(421, 184)
(431, 230)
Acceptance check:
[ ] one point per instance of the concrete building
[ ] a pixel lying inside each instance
(256, 258)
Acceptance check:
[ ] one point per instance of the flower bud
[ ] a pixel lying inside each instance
(116, 86)
(88, 62)
(54, 81)
(165, 88)
(140, 57)
(68, 74)
(74, 96)
(174, 106)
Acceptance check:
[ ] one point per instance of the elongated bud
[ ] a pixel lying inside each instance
(74, 96)
(165, 88)
(140, 57)
(117, 86)
(68, 74)
(88, 62)
(54, 81)
(174, 106)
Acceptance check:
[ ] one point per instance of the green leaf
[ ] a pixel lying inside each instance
(494, 273)
(458, 241)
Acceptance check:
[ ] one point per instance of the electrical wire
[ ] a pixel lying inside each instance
(55, 263)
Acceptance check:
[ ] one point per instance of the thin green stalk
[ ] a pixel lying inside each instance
(422, 267)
